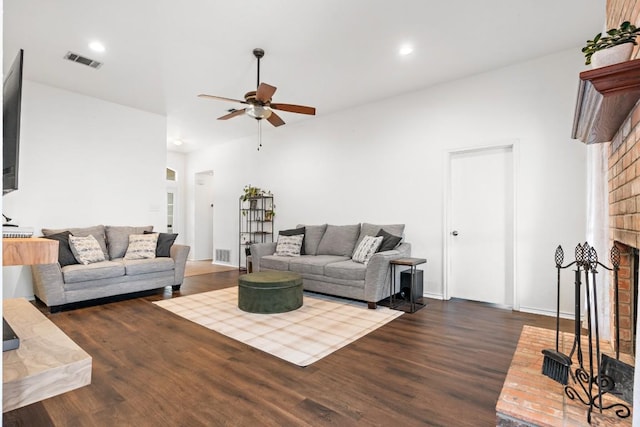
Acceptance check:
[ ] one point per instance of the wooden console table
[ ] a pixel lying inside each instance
(28, 251)
(48, 362)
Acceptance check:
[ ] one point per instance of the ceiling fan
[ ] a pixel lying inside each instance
(259, 102)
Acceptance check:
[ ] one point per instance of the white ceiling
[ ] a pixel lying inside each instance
(330, 54)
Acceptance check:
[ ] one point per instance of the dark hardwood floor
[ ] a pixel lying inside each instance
(441, 366)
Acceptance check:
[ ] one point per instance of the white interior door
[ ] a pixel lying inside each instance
(203, 239)
(480, 238)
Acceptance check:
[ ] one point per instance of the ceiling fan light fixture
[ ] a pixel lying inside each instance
(258, 112)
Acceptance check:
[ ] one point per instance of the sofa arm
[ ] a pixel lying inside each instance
(258, 250)
(48, 284)
(378, 275)
(179, 254)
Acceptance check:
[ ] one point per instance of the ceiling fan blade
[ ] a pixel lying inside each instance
(232, 114)
(221, 98)
(265, 92)
(275, 119)
(301, 109)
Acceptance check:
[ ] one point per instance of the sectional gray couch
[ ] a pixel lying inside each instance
(327, 265)
(66, 283)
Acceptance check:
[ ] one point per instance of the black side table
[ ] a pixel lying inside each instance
(411, 263)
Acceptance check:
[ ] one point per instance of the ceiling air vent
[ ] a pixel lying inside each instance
(82, 60)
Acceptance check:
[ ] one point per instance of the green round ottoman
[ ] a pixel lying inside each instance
(269, 292)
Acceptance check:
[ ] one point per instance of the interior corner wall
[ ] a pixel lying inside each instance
(384, 163)
(84, 161)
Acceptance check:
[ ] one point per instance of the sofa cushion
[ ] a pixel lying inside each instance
(142, 246)
(289, 245)
(308, 264)
(373, 230)
(165, 241)
(294, 232)
(133, 267)
(65, 256)
(368, 246)
(96, 231)
(274, 262)
(389, 241)
(86, 249)
(118, 238)
(339, 240)
(312, 236)
(99, 270)
(345, 270)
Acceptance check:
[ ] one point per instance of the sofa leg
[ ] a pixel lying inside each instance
(372, 305)
(175, 287)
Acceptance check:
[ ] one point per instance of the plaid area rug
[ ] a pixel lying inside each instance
(321, 326)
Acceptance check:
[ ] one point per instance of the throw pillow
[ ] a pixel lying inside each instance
(369, 229)
(366, 249)
(118, 238)
(65, 256)
(86, 249)
(165, 241)
(96, 231)
(294, 232)
(142, 246)
(289, 245)
(389, 241)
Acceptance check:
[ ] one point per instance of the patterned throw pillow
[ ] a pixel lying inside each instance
(365, 250)
(86, 250)
(142, 246)
(289, 245)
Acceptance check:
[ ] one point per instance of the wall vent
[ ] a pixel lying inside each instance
(82, 60)
(223, 255)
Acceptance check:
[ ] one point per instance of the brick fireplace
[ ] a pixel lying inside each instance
(624, 190)
(624, 219)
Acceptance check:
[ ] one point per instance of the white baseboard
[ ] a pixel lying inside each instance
(563, 315)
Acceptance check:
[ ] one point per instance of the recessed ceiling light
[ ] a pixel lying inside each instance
(177, 142)
(96, 46)
(405, 50)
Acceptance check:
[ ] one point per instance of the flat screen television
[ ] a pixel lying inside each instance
(12, 99)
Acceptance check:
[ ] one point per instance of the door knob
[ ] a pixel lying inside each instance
(454, 233)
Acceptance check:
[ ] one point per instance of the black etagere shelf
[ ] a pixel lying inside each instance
(255, 218)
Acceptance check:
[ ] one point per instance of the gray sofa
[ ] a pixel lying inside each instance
(327, 265)
(60, 285)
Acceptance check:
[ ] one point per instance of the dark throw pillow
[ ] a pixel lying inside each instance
(294, 232)
(65, 256)
(165, 241)
(389, 241)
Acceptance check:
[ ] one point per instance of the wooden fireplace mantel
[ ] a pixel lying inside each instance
(605, 97)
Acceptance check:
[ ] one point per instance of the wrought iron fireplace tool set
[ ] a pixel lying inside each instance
(597, 378)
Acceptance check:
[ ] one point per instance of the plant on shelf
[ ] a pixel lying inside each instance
(270, 213)
(251, 192)
(626, 33)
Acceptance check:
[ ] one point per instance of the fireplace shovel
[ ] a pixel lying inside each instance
(555, 364)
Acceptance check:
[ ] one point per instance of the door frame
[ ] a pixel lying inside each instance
(448, 211)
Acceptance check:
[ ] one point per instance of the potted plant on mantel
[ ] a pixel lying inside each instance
(616, 46)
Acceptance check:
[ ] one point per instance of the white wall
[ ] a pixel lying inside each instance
(384, 163)
(84, 162)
